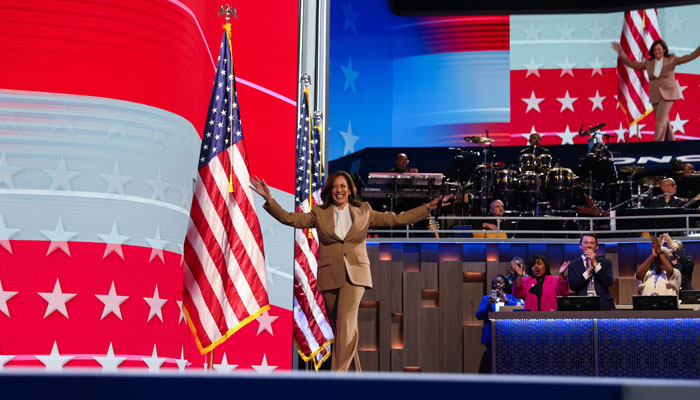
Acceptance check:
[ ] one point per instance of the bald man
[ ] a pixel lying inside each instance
(668, 199)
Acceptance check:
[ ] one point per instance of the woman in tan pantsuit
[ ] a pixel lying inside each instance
(343, 265)
(663, 90)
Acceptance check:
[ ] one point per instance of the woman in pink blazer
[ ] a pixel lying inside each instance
(540, 289)
(663, 89)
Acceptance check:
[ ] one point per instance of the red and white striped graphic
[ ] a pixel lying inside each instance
(639, 30)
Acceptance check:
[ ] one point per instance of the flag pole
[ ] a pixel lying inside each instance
(227, 11)
(306, 80)
(318, 124)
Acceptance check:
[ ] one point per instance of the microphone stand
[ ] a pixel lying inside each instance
(632, 198)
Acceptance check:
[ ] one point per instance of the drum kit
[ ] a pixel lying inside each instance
(537, 186)
(526, 188)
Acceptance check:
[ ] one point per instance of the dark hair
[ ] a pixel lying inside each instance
(651, 49)
(326, 192)
(507, 286)
(591, 234)
(534, 260)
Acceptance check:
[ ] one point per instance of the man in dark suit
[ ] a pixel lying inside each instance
(590, 275)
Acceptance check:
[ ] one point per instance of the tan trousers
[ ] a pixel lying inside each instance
(663, 131)
(343, 305)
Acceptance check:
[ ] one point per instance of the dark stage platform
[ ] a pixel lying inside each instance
(90, 386)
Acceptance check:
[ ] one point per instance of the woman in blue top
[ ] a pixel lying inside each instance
(502, 287)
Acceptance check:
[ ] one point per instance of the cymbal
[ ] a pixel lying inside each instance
(591, 130)
(478, 139)
(651, 180)
(596, 128)
(633, 169)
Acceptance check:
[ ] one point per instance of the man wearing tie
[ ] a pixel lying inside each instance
(590, 275)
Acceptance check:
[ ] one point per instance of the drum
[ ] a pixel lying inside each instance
(558, 178)
(530, 182)
(482, 181)
(506, 187)
(532, 185)
(527, 162)
(506, 180)
(560, 182)
(544, 162)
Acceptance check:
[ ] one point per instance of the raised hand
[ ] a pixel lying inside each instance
(434, 202)
(564, 270)
(655, 246)
(517, 268)
(260, 187)
(590, 258)
(616, 46)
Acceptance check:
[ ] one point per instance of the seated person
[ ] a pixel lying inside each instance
(401, 203)
(401, 164)
(540, 289)
(534, 147)
(688, 169)
(680, 261)
(668, 199)
(502, 288)
(656, 276)
(497, 210)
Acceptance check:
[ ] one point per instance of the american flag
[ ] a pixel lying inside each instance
(312, 332)
(639, 30)
(225, 281)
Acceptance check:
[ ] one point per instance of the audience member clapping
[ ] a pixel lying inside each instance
(540, 289)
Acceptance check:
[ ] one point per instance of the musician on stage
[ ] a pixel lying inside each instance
(401, 164)
(688, 169)
(497, 210)
(534, 147)
(668, 199)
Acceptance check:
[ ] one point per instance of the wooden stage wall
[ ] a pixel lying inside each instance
(420, 314)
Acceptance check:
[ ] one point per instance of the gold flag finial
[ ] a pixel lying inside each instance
(226, 9)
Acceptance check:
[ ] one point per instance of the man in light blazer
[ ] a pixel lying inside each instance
(663, 89)
(590, 274)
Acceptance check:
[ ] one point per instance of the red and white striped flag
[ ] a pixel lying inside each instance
(313, 334)
(639, 30)
(225, 281)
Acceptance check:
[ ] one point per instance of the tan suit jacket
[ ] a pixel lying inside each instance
(337, 256)
(664, 86)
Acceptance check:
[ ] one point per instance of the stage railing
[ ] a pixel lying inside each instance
(680, 225)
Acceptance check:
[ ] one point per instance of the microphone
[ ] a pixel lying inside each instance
(581, 132)
(650, 190)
